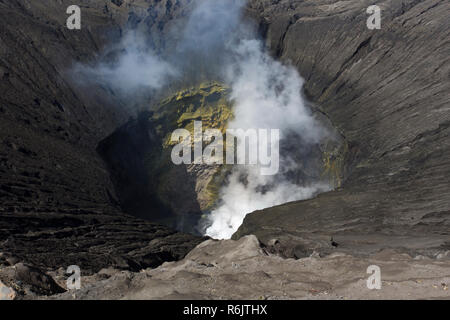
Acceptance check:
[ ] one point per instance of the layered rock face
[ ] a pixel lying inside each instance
(139, 158)
(58, 205)
(50, 129)
(387, 92)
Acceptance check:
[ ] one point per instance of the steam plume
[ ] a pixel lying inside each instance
(266, 94)
(135, 68)
(217, 44)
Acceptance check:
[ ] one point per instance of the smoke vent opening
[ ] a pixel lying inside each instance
(213, 68)
(204, 198)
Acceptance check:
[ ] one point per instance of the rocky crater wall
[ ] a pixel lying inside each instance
(386, 91)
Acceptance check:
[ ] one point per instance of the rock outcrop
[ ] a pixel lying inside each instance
(138, 155)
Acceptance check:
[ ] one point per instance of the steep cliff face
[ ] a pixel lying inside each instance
(49, 129)
(57, 201)
(149, 185)
(387, 92)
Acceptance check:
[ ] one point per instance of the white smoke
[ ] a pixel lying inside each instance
(216, 42)
(239, 199)
(135, 68)
(132, 66)
(266, 94)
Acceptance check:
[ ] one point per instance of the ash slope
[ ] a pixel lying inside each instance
(387, 92)
(241, 269)
(58, 206)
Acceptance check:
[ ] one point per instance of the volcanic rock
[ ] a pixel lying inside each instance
(387, 92)
(242, 269)
(58, 204)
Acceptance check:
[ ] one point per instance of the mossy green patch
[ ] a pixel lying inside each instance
(208, 103)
